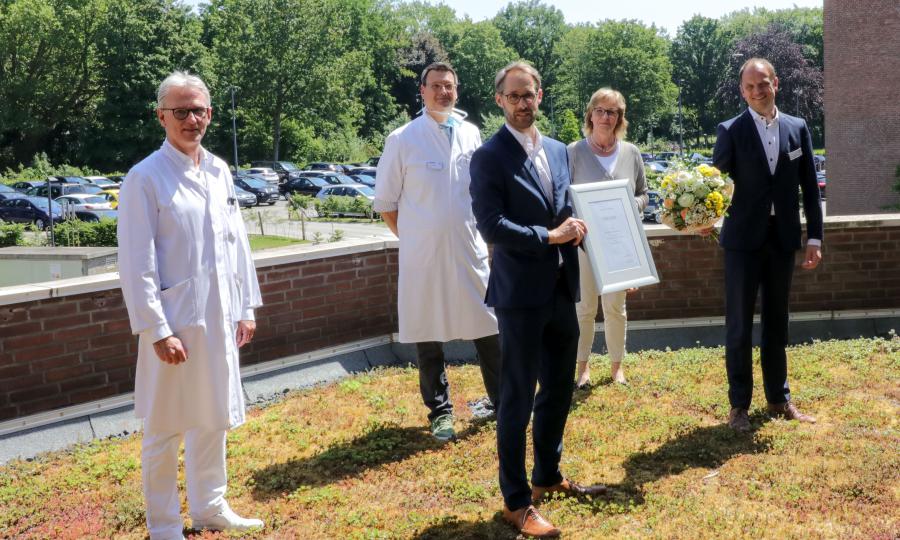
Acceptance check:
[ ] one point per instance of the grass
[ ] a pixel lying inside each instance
(354, 460)
(259, 242)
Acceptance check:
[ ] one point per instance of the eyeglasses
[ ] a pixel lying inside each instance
(601, 112)
(514, 99)
(180, 114)
(437, 88)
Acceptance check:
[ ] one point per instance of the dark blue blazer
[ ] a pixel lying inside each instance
(739, 152)
(512, 213)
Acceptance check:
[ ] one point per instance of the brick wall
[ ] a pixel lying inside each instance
(72, 344)
(72, 349)
(862, 104)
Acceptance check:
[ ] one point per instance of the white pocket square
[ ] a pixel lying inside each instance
(795, 154)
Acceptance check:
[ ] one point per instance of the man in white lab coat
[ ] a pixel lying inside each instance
(422, 192)
(190, 287)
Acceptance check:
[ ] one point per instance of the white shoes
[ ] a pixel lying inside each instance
(227, 520)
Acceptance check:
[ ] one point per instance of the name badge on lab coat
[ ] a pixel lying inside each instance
(434, 165)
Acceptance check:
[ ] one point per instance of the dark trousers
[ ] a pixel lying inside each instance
(433, 373)
(766, 271)
(539, 346)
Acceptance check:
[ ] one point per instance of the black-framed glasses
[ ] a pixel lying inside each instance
(514, 99)
(437, 87)
(180, 114)
(601, 112)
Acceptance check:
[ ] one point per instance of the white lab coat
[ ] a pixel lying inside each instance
(185, 268)
(443, 261)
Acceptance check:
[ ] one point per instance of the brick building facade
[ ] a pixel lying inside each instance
(862, 104)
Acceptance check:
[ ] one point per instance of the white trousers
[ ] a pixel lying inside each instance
(205, 478)
(615, 319)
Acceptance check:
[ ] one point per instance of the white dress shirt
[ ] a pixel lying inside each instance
(534, 149)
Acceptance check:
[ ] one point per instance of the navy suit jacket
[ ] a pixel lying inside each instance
(740, 153)
(512, 213)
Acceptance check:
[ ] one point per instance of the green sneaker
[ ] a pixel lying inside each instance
(442, 428)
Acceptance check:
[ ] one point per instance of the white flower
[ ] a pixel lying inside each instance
(686, 200)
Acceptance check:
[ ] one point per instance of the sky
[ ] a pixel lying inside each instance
(668, 14)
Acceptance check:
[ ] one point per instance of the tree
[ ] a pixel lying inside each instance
(422, 49)
(531, 29)
(627, 56)
(477, 54)
(698, 56)
(800, 83)
(569, 129)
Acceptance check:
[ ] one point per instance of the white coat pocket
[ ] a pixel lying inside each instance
(180, 305)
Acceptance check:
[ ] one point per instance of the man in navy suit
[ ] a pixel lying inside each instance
(519, 183)
(769, 156)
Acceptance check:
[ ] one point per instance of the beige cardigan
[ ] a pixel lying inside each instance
(584, 168)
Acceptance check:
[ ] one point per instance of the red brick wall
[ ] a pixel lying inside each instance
(862, 104)
(72, 349)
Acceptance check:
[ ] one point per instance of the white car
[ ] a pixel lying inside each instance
(347, 190)
(83, 201)
(101, 181)
(263, 173)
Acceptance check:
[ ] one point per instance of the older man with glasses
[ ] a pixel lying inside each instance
(190, 287)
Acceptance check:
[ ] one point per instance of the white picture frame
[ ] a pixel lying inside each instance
(616, 244)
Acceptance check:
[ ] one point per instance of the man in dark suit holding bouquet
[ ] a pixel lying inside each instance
(769, 156)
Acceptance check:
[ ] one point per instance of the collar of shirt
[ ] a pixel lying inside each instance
(761, 121)
(531, 146)
(181, 158)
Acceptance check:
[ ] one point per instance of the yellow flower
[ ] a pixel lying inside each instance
(707, 170)
(715, 201)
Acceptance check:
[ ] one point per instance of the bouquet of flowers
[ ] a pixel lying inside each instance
(694, 198)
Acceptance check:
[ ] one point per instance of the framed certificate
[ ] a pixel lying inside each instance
(615, 243)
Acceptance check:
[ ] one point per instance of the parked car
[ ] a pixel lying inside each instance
(7, 189)
(819, 161)
(56, 190)
(245, 198)
(284, 169)
(264, 191)
(658, 166)
(111, 195)
(324, 166)
(83, 201)
(307, 185)
(11, 195)
(25, 185)
(117, 179)
(820, 179)
(96, 215)
(365, 179)
(35, 210)
(362, 170)
(101, 181)
(331, 177)
(68, 179)
(667, 156)
(645, 157)
(263, 173)
(346, 190)
(699, 159)
(652, 210)
(373, 161)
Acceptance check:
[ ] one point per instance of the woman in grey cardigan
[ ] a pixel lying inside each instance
(604, 155)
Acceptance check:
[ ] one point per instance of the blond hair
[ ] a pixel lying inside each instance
(606, 94)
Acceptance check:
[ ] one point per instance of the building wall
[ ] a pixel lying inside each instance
(862, 104)
(66, 343)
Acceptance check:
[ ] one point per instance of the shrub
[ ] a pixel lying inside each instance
(346, 206)
(12, 234)
(299, 201)
(75, 232)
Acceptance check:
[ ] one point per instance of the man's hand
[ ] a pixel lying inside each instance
(570, 229)
(245, 331)
(812, 258)
(390, 219)
(170, 350)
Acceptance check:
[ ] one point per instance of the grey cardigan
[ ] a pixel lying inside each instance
(584, 168)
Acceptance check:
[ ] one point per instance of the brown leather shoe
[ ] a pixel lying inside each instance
(788, 411)
(569, 489)
(530, 522)
(739, 420)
